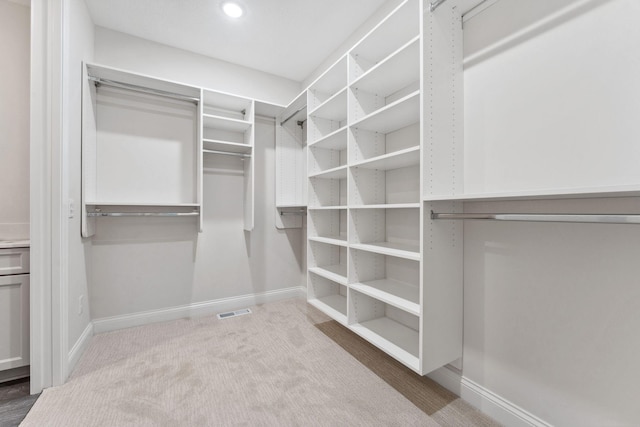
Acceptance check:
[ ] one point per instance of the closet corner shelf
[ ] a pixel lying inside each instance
(397, 250)
(397, 115)
(336, 240)
(542, 194)
(394, 72)
(336, 140)
(336, 273)
(396, 160)
(334, 306)
(392, 292)
(339, 172)
(403, 346)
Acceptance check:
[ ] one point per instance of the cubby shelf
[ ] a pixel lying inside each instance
(334, 306)
(335, 240)
(395, 72)
(146, 204)
(220, 145)
(334, 108)
(327, 208)
(394, 116)
(410, 252)
(395, 160)
(393, 338)
(339, 172)
(225, 123)
(398, 294)
(336, 273)
(336, 140)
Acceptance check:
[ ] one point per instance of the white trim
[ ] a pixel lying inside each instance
(107, 324)
(79, 347)
(491, 404)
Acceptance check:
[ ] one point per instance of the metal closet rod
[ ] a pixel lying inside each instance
(226, 153)
(98, 214)
(142, 89)
(543, 217)
(293, 114)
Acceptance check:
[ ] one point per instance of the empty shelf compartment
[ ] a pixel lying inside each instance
(328, 296)
(328, 191)
(382, 187)
(328, 261)
(330, 225)
(392, 330)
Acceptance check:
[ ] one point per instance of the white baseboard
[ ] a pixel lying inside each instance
(107, 324)
(79, 347)
(498, 408)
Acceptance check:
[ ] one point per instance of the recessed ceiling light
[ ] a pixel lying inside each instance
(232, 10)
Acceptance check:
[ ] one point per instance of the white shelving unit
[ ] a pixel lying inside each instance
(228, 129)
(144, 141)
(140, 146)
(367, 264)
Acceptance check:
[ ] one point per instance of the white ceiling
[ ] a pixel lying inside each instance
(289, 38)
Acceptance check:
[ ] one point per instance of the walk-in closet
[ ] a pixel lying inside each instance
(299, 212)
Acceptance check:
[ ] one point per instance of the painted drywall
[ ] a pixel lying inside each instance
(550, 311)
(156, 263)
(78, 42)
(135, 54)
(14, 120)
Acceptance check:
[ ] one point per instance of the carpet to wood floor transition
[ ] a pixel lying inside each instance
(286, 364)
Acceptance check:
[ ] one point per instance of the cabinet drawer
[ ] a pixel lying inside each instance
(14, 261)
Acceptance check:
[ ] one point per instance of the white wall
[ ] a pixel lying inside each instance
(135, 54)
(150, 264)
(551, 310)
(78, 41)
(14, 120)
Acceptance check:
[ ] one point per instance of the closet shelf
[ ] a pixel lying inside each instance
(388, 206)
(399, 250)
(332, 80)
(336, 273)
(393, 73)
(327, 208)
(334, 108)
(334, 240)
(225, 123)
(393, 338)
(334, 306)
(395, 160)
(232, 147)
(543, 194)
(143, 204)
(398, 294)
(397, 115)
(339, 172)
(336, 140)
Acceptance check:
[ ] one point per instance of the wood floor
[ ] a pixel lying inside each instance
(15, 402)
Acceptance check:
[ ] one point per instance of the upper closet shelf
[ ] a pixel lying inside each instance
(339, 172)
(543, 194)
(394, 116)
(395, 72)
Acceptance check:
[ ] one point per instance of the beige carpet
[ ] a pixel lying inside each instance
(279, 366)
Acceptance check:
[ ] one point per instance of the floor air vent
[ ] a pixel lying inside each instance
(229, 314)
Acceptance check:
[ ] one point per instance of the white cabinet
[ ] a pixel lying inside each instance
(14, 308)
(368, 245)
